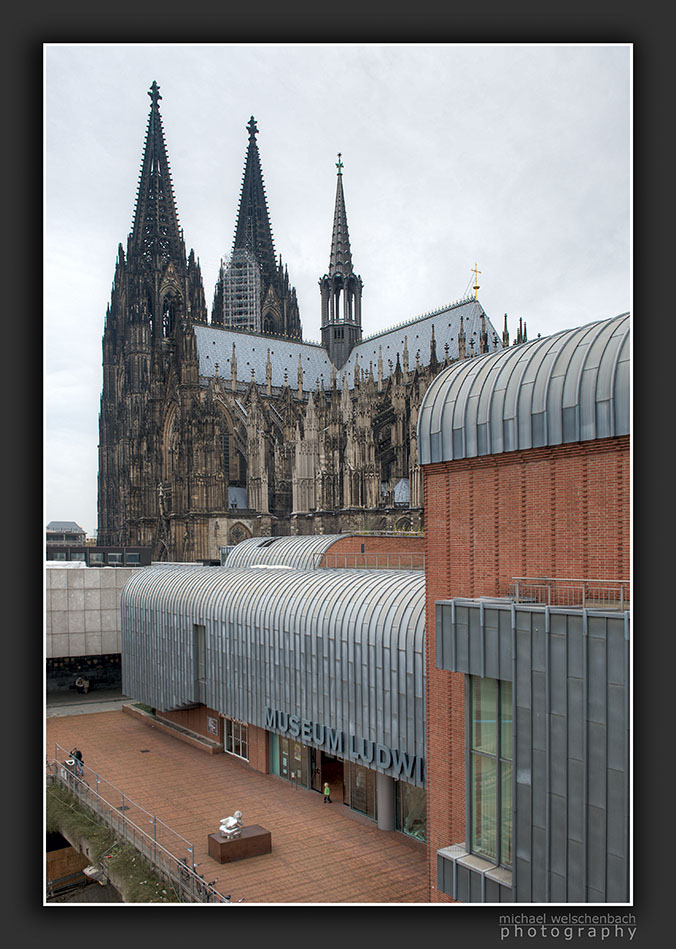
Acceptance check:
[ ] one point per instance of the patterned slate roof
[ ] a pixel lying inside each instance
(214, 346)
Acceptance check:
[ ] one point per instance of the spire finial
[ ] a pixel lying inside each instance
(339, 164)
(251, 127)
(476, 280)
(154, 93)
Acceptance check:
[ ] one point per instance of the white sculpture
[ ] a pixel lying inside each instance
(231, 827)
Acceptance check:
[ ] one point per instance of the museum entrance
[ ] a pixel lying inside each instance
(327, 768)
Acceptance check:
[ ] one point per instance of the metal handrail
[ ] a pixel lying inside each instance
(179, 871)
(370, 560)
(173, 841)
(572, 591)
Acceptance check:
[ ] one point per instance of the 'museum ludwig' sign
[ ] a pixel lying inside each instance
(335, 742)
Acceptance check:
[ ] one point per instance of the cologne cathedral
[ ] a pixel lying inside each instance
(213, 430)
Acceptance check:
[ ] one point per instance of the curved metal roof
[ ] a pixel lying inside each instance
(340, 647)
(569, 387)
(300, 550)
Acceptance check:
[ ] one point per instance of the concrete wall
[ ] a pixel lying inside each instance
(82, 610)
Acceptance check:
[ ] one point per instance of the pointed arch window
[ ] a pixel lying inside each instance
(170, 306)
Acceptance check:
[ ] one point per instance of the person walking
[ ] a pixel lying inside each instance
(76, 755)
(327, 793)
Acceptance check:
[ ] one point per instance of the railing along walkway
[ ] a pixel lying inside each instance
(170, 854)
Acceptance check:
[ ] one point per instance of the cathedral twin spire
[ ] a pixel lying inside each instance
(253, 290)
(156, 234)
(253, 272)
(253, 231)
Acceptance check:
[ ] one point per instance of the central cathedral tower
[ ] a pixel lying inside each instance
(340, 288)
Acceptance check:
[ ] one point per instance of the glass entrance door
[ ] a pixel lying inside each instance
(316, 766)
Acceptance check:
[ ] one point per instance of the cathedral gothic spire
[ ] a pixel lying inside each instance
(157, 296)
(340, 288)
(253, 290)
(253, 231)
(155, 231)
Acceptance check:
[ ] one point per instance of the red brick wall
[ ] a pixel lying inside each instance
(411, 550)
(196, 720)
(554, 512)
(258, 749)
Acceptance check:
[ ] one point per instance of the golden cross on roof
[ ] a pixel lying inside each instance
(476, 273)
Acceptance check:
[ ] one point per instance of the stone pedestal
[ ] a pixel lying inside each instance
(252, 842)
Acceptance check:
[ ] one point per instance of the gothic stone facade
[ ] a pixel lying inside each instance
(212, 431)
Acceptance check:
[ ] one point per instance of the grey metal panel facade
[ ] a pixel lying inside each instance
(340, 648)
(569, 387)
(570, 675)
(300, 551)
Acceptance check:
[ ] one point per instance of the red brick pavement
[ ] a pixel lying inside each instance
(320, 853)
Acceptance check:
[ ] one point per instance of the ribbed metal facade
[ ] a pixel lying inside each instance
(570, 673)
(340, 648)
(569, 387)
(300, 551)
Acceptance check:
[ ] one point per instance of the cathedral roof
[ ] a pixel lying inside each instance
(416, 336)
(214, 346)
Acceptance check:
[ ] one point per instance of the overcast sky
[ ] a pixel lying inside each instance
(516, 158)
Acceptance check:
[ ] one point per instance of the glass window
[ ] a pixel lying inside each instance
(115, 558)
(237, 738)
(78, 555)
(411, 810)
(133, 558)
(490, 769)
(199, 652)
(95, 557)
(362, 790)
(59, 555)
(484, 719)
(483, 805)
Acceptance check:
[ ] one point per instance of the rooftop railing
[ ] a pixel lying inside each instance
(373, 560)
(572, 592)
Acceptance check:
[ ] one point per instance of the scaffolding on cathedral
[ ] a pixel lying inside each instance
(241, 278)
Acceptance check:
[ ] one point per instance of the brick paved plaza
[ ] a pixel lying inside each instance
(320, 853)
